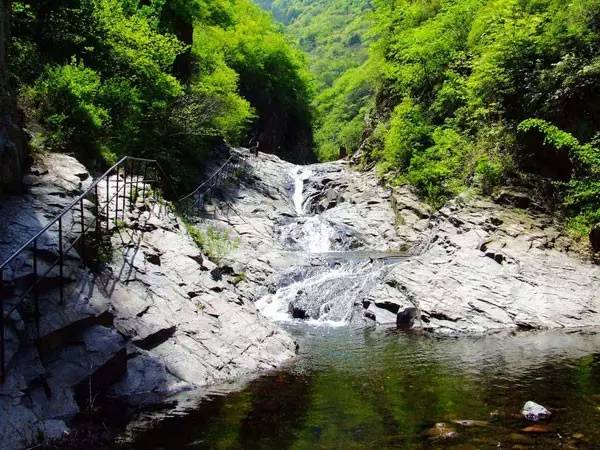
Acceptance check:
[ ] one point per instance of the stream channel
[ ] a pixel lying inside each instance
(353, 386)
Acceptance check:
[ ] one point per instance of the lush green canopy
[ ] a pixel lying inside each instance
(460, 93)
(156, 78)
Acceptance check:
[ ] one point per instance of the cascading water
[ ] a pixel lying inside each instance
(299, 175)
(311, 234)
(327, 295)
(323, 293)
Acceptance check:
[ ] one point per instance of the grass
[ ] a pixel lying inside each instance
(214, 243)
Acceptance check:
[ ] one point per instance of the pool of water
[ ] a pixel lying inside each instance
(384, 388)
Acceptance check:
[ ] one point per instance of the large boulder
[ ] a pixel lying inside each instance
(595, 237)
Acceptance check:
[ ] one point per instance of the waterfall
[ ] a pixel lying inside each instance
(311, 234)
(325, 294)
(299, 175)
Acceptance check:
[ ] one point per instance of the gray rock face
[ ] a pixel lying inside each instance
(188, 324)
(488, 266)
(159, 318)
(77, 352)
(474, 266)
(534, 412)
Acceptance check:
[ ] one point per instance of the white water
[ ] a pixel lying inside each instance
(327, 295)
(299, 175)
(311, 234)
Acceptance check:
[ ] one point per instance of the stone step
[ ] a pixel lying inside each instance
(89, 365)
(67, 329)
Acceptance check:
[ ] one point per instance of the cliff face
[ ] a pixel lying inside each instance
(12, 137)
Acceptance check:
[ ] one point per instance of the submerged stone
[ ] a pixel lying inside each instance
(441, 430)
(534, 412)
(537, 428)
(471, 423)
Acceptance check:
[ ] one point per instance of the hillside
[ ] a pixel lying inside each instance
(468, 94)
(105, 78)
(336, 36)
(332, 32)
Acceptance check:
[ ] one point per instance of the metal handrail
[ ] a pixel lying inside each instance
(96, 224)
(119, 169)
(74, 203)
(214, 176)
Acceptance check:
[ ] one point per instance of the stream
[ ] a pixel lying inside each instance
(357, 386)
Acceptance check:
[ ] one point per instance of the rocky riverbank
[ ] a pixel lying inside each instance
(157, 318)
(476, 265)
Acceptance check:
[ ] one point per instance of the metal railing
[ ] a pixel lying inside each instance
(72, 230)
(69, 236)
(194, 202)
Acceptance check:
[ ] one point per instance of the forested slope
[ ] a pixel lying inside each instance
(336, 36)
(103, 78)
(476, 93)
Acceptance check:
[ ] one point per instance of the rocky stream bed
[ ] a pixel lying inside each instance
(312, 246)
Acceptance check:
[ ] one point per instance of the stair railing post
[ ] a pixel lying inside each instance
(82, 233)
(36, 303)
(117, 197)
(61, 262)
(97, 214)
(144, 182)
(130, 184)
(107, 202)
(137, 179)
(125, 186)
(2, 340)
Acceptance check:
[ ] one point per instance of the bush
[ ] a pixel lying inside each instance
(68, 104)
(439, 172)
(214, 243)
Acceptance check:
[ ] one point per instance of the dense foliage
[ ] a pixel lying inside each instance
(462, 93)
(334, 34)
(156, 78)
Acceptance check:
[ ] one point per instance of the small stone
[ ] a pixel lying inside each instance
(471, 423)
(534, 412)
(441, 430)
(537, 428)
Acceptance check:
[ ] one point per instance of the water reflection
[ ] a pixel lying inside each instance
(377, 388)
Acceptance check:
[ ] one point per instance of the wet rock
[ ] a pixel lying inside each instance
(471, 423)
(441, 431)
(407, 317)
(298, 313)
(534, 412)
(538, 428)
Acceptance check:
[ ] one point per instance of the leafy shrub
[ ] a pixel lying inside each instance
(582, 196)
(214, 243)
(439, 171)
(67, 99)
(488, 174)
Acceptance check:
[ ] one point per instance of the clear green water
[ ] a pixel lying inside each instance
(384, 388)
